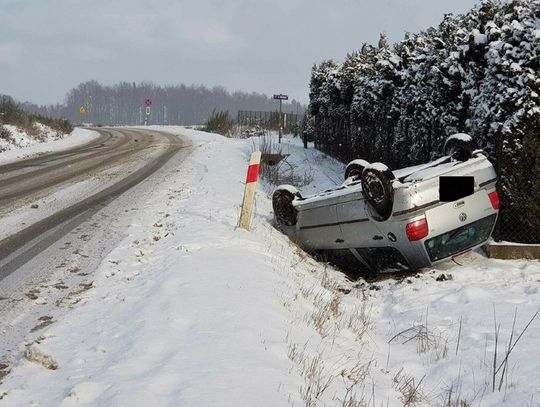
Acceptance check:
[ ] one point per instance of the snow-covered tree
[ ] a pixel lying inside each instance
(477, 73)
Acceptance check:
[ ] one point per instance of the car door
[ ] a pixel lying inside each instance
(319, 227)
(357, 227)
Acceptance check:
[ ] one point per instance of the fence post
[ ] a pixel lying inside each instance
(497, 231)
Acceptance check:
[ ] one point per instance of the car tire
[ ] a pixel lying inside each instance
(355, 168)
(460, 149)
(282, 202)
(378, 190)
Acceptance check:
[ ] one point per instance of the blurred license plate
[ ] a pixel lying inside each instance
(454, 188)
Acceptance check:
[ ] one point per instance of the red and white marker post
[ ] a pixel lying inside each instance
(249, 192)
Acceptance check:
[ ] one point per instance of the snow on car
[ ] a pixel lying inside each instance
(409, 218)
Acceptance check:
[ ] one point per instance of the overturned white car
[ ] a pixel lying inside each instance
(409, 218)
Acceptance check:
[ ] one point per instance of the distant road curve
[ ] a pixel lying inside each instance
(45, 174)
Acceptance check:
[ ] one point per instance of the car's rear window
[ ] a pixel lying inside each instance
(377, 258)
(460, 239)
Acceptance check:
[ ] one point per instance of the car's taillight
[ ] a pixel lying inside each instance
(494, 198)
(417, 230)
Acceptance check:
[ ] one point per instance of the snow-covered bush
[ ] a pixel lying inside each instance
(5, 134)
(15, 114)
(219, 122)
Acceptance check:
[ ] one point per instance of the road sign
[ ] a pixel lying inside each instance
(82, 109)
(281, 97)
(148, 110)
(148, 102)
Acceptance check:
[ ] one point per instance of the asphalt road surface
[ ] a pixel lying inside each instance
(23, 179)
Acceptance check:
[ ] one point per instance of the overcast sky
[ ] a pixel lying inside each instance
(48, 47)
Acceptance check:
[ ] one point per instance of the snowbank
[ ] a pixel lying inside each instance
(20, 138)
(25, 146)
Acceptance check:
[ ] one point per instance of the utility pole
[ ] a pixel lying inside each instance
(91, 109)
(281, 98)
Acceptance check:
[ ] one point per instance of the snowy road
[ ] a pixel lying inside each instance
(47, 198)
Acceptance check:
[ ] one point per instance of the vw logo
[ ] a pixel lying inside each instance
(463, 216)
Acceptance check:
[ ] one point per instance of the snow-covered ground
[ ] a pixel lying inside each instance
(189, 310)
(19, 138)
(24, 146)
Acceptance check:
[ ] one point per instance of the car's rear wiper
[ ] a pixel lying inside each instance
(454, 233)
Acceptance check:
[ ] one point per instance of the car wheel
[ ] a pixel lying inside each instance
(459, 147)
(282, 203)
(354, 169)
(378, 190)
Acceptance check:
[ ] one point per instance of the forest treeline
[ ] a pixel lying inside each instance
(477, 73)
(123, 103)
